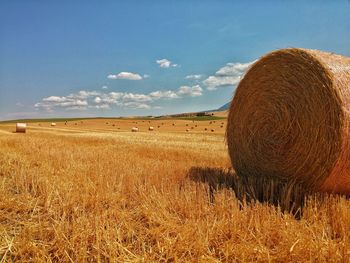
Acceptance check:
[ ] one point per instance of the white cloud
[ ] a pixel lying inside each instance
(137, 105)
(83, 99)
(104, 87)
(159, 94)
(229, 75)
(165, 63)
(125, 75)
(83, 94)
(55, 99)
(195, 77)
(136, 97)
(69, 103)
(146, 76)
(97, 100)
(193, 91)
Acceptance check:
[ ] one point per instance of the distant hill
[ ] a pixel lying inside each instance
(224, 107)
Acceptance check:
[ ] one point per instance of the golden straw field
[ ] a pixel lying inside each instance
(88, 191)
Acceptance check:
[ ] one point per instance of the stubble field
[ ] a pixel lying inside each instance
(88, 191)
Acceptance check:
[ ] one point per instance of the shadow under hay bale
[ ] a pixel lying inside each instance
(289, 196)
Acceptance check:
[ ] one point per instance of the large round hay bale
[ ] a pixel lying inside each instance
(134, 129)
(290, 119)
(150, 128)
(53, 124)
(21, 127)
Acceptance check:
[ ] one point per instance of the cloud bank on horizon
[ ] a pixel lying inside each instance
(226, 76)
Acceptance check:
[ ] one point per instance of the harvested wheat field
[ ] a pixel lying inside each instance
(91, 192)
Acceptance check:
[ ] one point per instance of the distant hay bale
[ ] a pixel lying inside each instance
(212, 130)
(205, 129)
(53, 124)
(150, 128)
(21, 127)
(187, 130)
(290, 120)
(134, 129)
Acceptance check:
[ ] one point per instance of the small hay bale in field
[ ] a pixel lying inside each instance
(187, 130)
(205, 129)
(212, 130)
(150, 128)
(21, 127)
(186, 124)
(158, 126)
(134, 129)
(53, 124)
(173, 124)
(290, 120)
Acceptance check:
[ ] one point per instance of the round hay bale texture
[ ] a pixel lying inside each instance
(290, 120)
(134, 129)
(53, 124)
(150, 128)
(21, 127)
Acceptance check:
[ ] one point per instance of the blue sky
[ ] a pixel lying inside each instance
(124, 58)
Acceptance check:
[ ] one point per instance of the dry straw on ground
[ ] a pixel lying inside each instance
(290, 119)
(21, 127)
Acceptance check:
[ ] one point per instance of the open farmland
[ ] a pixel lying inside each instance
(92, 190)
